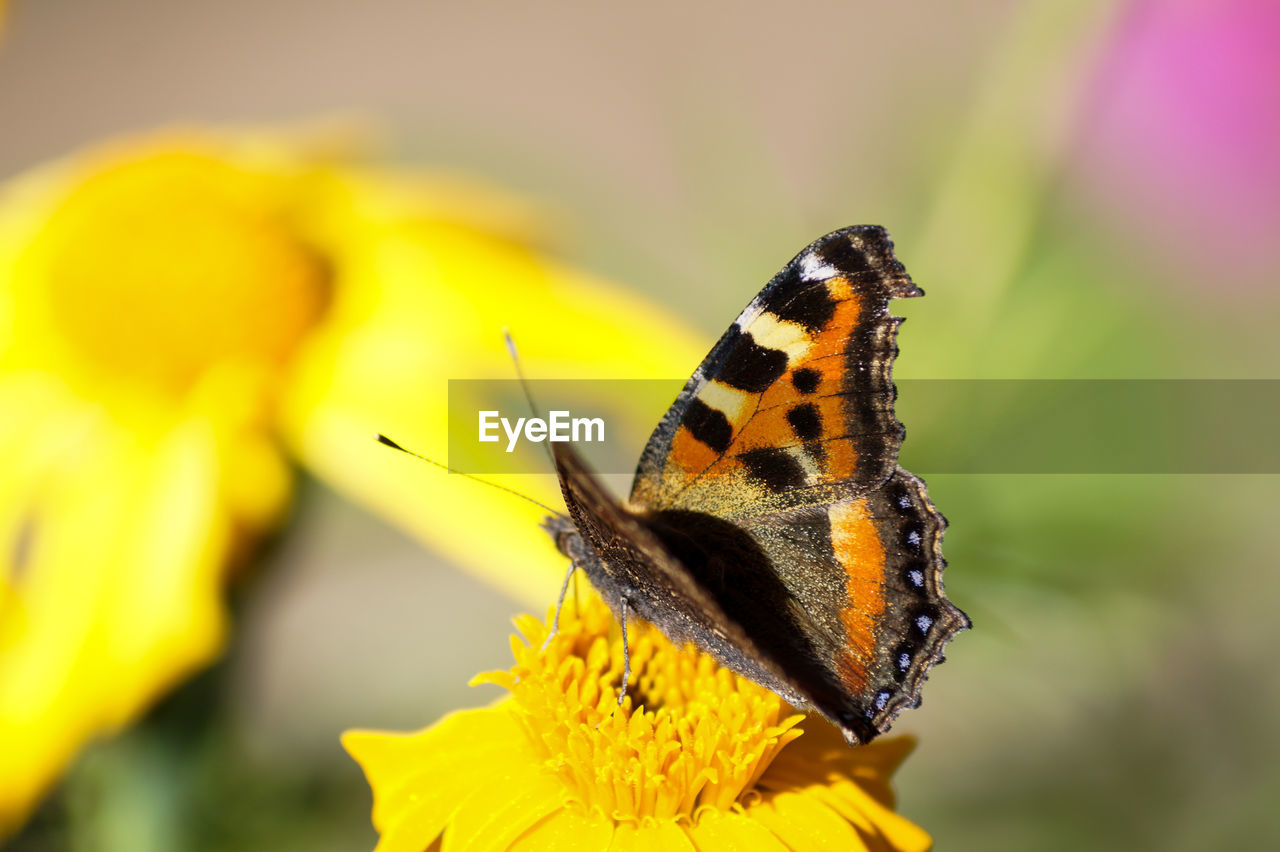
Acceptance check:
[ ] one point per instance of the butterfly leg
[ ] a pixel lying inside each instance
(626, 654)
(626, 663)
(564, 591)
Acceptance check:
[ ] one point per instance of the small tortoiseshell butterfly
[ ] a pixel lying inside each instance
(769, 522)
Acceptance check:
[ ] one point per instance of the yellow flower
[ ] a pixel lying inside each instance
(694, 758)
(183, 315)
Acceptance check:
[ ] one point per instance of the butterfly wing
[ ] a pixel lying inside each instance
(837, 608)
(794, 404)
(786, 431)
(868, 574)
(628, 556)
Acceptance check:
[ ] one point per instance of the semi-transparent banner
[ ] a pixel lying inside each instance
(972, 426)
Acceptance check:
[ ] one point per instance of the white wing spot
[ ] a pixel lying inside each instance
(917, 577)
(904, 661)
(749, 314)
(773, 333)
(807, 464)
(924, 622)
(729, 401)
(812, 269)
(913, 538)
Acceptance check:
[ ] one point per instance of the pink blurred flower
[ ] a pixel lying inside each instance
(1181, 135)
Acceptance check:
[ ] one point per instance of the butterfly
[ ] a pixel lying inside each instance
(769, 523)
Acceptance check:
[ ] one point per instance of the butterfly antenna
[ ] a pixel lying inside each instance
(383, 439)
(524, 386)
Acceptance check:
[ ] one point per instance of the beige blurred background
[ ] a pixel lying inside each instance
(645, 127)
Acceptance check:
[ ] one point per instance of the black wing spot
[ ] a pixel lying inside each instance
(816, 451)
(806, 421)
(708, 425)
(749, 366)
(774, 468)
(900, 496)
(812, 308)
(806, 380)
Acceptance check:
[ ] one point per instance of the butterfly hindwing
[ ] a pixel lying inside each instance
(794, 404)
(662, 565)
(836, 607)
(868, 572)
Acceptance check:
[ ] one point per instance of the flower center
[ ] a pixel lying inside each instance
(698, 736)
(163, 266)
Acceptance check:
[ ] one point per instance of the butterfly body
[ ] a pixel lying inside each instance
(769, 523)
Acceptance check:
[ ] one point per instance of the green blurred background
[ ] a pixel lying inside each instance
(1085, 190)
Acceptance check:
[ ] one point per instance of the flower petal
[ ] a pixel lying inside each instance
(651, 834)
(718, 830)
(822, 753)
(880, 826)
(118, 593)
(429, 300)
(803, 823)
(568, 830)
(411, 807)
(514, 797)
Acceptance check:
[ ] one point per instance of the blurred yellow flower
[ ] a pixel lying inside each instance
(181, 314)
(694, 758)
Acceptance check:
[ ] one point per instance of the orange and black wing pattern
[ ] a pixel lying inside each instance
(794, 404)
(769, 521)
(787, 430)
(867, 575)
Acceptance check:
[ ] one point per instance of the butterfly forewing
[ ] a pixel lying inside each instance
(795, 402)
